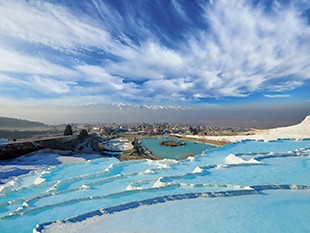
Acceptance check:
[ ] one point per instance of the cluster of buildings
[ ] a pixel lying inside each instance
(158, 129)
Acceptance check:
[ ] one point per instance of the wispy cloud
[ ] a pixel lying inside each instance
(116, 51)
(277, 96)
(37, 84)
(51, 25)
(12, 61)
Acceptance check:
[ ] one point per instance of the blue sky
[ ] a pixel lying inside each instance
(192, 54)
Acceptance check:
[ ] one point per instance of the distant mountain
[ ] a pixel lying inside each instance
(7, 122)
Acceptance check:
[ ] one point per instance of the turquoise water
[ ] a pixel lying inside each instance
(277, 211)
(178, 152)
(273, 190)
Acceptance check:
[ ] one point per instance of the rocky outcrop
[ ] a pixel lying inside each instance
(138, 152)
(13, 150)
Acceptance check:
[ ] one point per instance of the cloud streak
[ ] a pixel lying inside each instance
(50, 25)
(277, 96)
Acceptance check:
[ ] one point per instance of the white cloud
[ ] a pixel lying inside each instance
(101, 82)
(151, 60)
(38, 84)
(49, 85)
(251, 49)
(96, 74)
(15, 62)
(180, 10)
(49, 24)
(168, 88)
(277, 96)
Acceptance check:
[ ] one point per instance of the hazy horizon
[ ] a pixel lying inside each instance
(243, 116)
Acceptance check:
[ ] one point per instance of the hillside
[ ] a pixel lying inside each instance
(7, 122)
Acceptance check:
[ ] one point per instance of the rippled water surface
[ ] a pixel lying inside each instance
(277, 173)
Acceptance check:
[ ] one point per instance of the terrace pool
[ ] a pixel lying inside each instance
(178, 152)
(252, 186)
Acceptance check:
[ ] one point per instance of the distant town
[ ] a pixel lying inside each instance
(147, 129)
(17, 129)
(123, 141)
